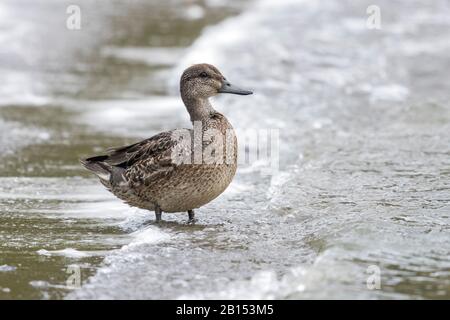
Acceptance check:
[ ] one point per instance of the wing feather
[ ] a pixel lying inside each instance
(127, 156)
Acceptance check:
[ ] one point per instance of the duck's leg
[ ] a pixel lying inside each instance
(158, 214)
(191, 215)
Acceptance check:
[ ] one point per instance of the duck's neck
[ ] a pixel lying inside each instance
(200, 109)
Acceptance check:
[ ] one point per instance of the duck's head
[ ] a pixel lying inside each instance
(202, 81)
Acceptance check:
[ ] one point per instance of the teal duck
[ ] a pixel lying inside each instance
(182, 169)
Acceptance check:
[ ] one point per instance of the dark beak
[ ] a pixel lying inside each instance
(229, 88)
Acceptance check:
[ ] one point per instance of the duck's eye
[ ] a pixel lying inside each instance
(203, 75)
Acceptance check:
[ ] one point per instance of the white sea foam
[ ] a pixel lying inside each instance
(237, 187)
(18, 87)
(326, 277)
(276, 182)
(69, 198)
(40, 284)
(68, 252)
(7, 268)
(194, 12)
(119, 261)
(218, 39)
(153, 56)
(148, 235)
(129, 117)
(14, 136)
(389, 92)
(52, 189)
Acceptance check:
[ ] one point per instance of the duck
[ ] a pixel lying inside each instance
(182, 169)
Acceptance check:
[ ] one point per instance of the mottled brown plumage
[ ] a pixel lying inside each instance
(164, 172)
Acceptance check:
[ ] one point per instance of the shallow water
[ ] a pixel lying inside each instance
(363, 117)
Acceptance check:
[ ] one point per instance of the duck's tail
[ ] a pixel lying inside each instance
(98, 167)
